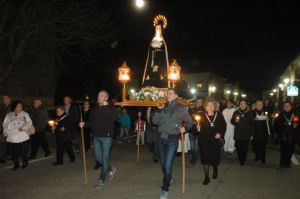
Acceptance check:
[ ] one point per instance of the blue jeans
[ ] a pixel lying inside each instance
(124, 131)
(167, 151)
(194, 148)
(102, 148)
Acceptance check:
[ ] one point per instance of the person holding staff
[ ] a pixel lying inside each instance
(169, 120)
(211, 139)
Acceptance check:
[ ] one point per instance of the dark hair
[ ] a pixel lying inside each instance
(173, 89)
(60, 107)
(242, 100)
(288, 102)
(15, 104)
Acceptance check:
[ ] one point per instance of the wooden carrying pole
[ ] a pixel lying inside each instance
(268, 126)
(183, 161)
(83, 148)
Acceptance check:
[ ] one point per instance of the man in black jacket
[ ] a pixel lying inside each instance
(243, 120)
(72, 111)
(5, 108)
(39, 117)
(170, 121)
(102, 118)
(260, 132)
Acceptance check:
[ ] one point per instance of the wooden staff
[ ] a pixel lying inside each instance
(267, 121)
(83, 148)
(183, 161)
(138, 143)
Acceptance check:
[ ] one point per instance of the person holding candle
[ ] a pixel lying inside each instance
(17, 127)
(169, 120)
(211, 139)
(260, 132)
(39, 117)
(229, 134)
(193, 134)
(63, 135)
(86, 111)
(286, 127)
(243, 121)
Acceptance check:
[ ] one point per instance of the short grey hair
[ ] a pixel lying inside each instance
(105, 92)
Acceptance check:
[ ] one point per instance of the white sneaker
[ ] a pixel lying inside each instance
(164, 195)
(112, 173)
(99, 184)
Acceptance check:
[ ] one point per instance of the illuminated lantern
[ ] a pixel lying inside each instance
(296, 119)
(124, 77)
(124, 73)
(174, 72)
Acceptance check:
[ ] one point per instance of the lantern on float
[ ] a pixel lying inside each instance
(174, 72)
(124, 78)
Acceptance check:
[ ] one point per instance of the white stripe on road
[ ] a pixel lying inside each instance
(31, 161)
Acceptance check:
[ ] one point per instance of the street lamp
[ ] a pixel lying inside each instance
(132, 91)
(193, 91)
(244, 95)
(274, 90)
(228, 92)
(212, 89)
(174, 72)
(235, 93)
(124, 77)
(286, 81)
(271, 94)
(139, 3)
(281, 86)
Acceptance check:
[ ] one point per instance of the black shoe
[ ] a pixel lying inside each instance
(57, 163)
(215, 173)
(15, 167)
(242, 163)
(2, 161)
(155, 161)
(31, 157)
(206, 181)
(97, 166)
(256, 159)
(72, 160)
(47, 154)
(24, 165)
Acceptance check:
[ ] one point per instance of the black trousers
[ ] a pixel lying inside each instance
(286, 152)
(39, 138)
(62, 146)
(259, 147)
(87, 139)
(242, 150)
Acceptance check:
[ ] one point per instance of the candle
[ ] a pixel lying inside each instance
(51, 123)
(276, 115)
(197, 118)
(237, 117)
(295, 119)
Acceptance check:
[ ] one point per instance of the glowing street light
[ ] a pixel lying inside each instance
(235, 93)
(281, 86)
(286, 80)
(193, 91)
(132, 91)
(274, 90)
(228, 92)
(212, 89)
(139, 3)
(244, 95)
(271, 94)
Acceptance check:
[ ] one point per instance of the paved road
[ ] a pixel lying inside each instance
(43, 180)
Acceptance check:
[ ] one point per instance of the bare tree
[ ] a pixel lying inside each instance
(49, 30)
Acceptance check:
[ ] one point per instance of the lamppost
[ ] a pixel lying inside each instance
(124, 77)
(193, 92)
(174, 72)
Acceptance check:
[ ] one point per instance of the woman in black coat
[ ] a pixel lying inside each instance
(211, 139)
(243, 121)
(286, 126)
(63, 136)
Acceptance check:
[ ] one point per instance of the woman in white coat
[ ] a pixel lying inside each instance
(17, 128)
(229, 146)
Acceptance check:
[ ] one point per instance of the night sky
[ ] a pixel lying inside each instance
(249, 41)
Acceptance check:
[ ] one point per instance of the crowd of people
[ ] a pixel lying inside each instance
(210, 128)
